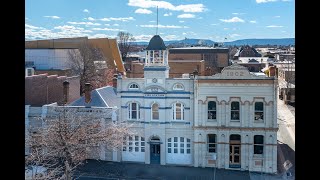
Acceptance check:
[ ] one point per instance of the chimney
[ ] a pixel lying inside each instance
(114, 80)
(87, 92)
(195, 72)
(65, 92)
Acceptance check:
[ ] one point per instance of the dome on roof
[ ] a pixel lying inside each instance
(156, 43)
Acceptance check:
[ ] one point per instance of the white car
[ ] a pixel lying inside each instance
(32, 172)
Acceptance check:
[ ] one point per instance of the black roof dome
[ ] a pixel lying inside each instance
(156, 43)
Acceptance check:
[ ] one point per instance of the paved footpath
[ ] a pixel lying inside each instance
(99, 170)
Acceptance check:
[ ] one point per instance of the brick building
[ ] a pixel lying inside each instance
(215, 59)
(45, 89)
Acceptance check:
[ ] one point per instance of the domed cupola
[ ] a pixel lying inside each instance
(156, 43)
(156, 52)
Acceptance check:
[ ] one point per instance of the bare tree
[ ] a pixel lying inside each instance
(125, 40)
(89, 63)
(68, 138)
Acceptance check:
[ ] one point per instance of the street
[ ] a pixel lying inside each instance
(286, 139)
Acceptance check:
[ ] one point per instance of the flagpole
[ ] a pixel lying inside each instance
(157, 22)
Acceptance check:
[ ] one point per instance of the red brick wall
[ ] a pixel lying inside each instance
(43, 89)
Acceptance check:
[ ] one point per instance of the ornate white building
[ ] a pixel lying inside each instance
(228, 120)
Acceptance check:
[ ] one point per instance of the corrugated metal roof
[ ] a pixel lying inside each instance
(102, 97)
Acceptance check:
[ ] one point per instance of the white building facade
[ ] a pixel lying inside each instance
(226, 121)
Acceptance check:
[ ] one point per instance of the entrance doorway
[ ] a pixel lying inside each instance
(155, 150)
(235, 151)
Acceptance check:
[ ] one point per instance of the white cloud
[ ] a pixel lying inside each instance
(64, 31)
(265, 1)
(27, 26)
(184, 33)
(85, 23)
(86, 11)
(143, 37)
(186, 16)
(118, 19)
(276, 16)
(106, 29)
(152, 21)
(274, 26)
(283, 31)
(115, 24)
(107, 24)
(91, 19)
(143, 11)
(232, 20)
(181, 21)
(253, 22)
(214, 24)
(168, 14)
(199, 18)
(169, 37)
(234, 35)
(166, 5)
(52, 17)
(225, 28)
(235, 13)
(163, 26)
(99, 36)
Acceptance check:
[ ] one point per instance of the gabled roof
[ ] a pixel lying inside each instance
(156, 43)
(101, 97)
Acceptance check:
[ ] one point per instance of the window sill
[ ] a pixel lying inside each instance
(258, 121)
(178, 121)
(234, 120)
(258, 156)
(211, 120)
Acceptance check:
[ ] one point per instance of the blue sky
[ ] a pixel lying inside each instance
(178, 19)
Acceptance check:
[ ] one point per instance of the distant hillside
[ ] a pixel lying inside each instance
(284, 41)
(208, 42)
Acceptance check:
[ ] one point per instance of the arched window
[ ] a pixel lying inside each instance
(212, 110)
(258, 144)
(134, 110)
(133, 86)
(235, 111)
(155, 111)
(177, 111)
(258, 111)
(178, 87)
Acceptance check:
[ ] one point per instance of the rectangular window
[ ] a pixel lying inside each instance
(142, 149)
(169, 150)
(212, 111)
(235, 111)
(258, 111)
(211, 141)
(136, 149)
(258, 144)
(175, 150)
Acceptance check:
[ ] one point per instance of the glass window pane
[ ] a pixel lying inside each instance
(136, 149)
(235, 105)
(130, 138)
(136, 138)
(134, 106)
(142, 144)
(175, 150)
(136, 143)
(130, 149)
(188, 151)
(169, 140)
(182, 145)
(181, 151)
(181, 139)
(175, 139)
(258, 139)
(188, 140)
(169, 144)
(124, 149)
(142, 149)
(169, 150)
(258, 106)
(142, 138)
(188, 145)
(258, 149)
(175, 144)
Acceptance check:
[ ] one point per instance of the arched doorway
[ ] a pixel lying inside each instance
(235, 151)
(155, 150)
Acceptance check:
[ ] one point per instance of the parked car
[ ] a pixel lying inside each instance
(32, 172)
